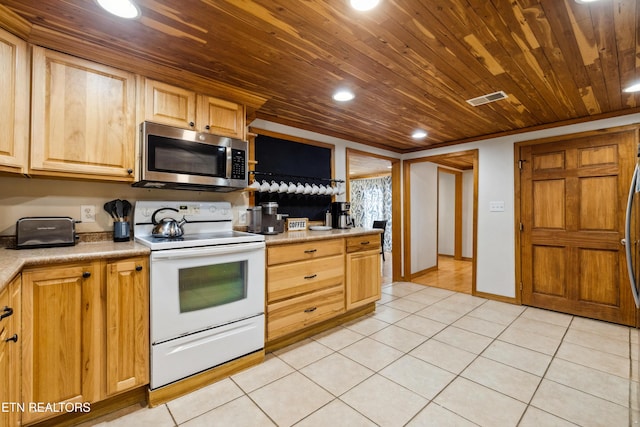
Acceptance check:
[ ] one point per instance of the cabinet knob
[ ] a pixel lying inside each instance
(129, 171)
(6, 312)
(138, 268)
(192, 124)
(13, 338)
(86, 274)
(207, 127)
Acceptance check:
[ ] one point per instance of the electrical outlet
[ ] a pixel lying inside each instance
(242, 218)
(88, 213)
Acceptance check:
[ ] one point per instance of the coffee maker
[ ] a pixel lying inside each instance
(272, 221)
(340, 216)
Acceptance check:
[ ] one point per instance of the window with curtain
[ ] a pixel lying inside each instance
(370, 200)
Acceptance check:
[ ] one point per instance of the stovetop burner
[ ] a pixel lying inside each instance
(208, 224)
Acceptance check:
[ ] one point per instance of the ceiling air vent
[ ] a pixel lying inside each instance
(485, 99)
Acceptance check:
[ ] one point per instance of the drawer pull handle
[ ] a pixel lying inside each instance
(6, 312)
(310, 310)
(313, 276)
(310, 251)
(13, 338)
(364, 243)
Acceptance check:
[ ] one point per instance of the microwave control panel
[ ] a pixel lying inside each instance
(238, 164)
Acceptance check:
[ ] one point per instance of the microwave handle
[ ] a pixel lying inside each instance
(229, 163)
(206, 251)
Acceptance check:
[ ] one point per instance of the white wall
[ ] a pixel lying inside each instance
(467, 214)
(424, 216)
(446, 213)
(496, 235)
(22, 197)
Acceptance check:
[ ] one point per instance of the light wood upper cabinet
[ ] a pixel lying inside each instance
(127, 324)
(175, 106)
(221, 117)
(14, 103)
(10, 341)
(61, 331)
(169, 105)
(83, 118)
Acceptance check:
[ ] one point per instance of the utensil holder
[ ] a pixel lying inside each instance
(121, 232)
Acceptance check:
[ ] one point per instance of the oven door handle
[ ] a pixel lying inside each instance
(206, 251)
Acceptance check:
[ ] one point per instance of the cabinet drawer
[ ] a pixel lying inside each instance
(363, 243)
(288, 280)
(304, 251)
(297, 313)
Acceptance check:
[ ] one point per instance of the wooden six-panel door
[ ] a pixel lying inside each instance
(573, 198)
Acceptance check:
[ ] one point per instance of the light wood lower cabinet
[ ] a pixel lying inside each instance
(61, 330)
(10, 341)
(363, 275)
(127, 324)
(305, 285)
(77, 346)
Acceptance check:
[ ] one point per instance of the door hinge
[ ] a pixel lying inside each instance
(521, 227)
(520, 163)
(520, 285)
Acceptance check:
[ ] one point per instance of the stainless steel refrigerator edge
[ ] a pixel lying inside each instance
(631, 243)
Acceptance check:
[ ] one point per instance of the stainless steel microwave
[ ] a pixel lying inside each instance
(182, 159)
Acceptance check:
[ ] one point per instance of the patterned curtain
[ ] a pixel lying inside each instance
(370, 201)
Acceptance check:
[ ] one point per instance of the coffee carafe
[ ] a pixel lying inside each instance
(340, 215)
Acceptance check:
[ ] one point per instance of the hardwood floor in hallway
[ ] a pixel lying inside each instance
(451, 274)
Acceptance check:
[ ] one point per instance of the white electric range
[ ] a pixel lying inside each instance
(207, 288)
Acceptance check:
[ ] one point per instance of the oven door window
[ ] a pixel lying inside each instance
(212, 285)
(186, 157)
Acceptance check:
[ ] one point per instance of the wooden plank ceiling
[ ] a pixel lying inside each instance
(411, 63)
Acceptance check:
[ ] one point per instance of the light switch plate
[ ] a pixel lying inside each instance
(496, 206)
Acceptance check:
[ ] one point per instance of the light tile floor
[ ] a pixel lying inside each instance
(430, 357)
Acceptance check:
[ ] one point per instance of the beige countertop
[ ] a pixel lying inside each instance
(12, 261)
(306, 235)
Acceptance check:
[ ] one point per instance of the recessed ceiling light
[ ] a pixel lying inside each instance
(122, 8)
(586, 1)
(343, 95)
(632, 88)
(364, 4)
(419, 134)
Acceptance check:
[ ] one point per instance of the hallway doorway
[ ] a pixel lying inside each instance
(362, 166)
(423, 261)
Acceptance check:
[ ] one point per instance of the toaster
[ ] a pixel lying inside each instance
(45, 232)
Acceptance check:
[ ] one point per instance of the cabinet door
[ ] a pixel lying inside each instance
(14, 103)
(363, 278)
(169, 105)
(83, 118)
(10, 341)
(62, 337)
(221, 117)
(127, 315)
